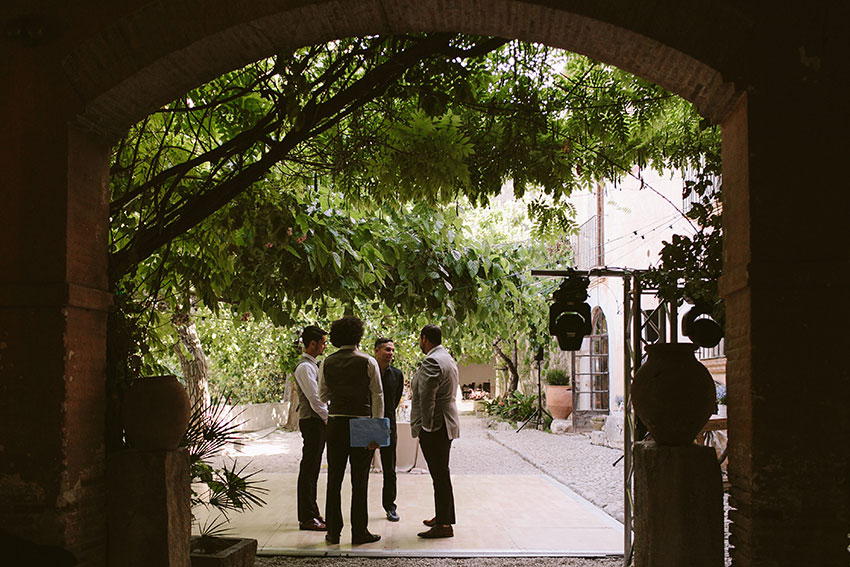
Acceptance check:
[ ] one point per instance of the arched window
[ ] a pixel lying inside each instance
(590, 374)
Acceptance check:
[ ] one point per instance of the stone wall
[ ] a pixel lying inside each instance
(254, 417)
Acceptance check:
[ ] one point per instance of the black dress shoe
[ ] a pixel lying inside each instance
(314, 525)
(437, 531)
(392, 515)
(332, 539)
(364, 538)
(430, 523)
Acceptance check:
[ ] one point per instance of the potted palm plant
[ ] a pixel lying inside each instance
(226, 488)
(559, 393)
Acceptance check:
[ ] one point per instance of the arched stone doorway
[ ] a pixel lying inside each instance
(101, 66)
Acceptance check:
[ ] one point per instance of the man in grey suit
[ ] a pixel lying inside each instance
(434, 420)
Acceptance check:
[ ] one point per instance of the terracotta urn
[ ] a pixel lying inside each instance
(155, 413)
(559, 401)
(673, 393)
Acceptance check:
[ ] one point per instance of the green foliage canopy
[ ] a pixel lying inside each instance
(323, 181)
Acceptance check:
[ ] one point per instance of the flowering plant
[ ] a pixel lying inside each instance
(478, 395)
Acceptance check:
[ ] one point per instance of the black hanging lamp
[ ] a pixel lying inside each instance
(569, 315)
(703, 331)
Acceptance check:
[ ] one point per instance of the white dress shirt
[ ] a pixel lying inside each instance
(307, 377)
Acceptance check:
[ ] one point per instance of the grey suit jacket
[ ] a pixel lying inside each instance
(433, 388)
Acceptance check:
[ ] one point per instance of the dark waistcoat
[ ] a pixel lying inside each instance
(347, 379)
(305, 410)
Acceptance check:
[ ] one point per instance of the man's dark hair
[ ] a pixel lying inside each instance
(312, 333)
(433, 334)
(346, 331)
(382, 341)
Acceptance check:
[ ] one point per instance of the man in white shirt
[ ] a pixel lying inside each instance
(350, 381)
(312, 420)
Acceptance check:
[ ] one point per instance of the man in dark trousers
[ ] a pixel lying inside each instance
(312, 420)
(434, 420)
(350, 381)
(392, 382)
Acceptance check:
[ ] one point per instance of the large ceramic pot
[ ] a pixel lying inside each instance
(673, 393)
(559, 401)
(155, 413)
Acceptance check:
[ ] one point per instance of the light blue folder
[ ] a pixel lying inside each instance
(364, 430)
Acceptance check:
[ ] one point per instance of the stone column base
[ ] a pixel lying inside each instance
(149, 509)
(678, 506)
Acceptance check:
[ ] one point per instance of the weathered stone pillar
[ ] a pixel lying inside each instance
(150, 518)
(53, 305)
(678, 506)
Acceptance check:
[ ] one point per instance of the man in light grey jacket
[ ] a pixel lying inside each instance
(434, 420)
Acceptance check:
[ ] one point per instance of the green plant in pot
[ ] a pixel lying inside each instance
(558, 377)
(559, 393)
(224, 487)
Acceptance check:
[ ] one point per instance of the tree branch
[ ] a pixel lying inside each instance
(313, 118)
(510, 365)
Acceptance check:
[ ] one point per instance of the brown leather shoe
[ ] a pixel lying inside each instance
(314, 525)
(430, 523)
(437, 531)
(364, 538)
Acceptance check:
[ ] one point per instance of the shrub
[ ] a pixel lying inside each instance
(557, 377)
(513, 407)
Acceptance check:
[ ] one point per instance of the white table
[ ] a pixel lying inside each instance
(408, 455)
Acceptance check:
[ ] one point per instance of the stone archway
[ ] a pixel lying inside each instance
(151, 56)
(101, 66)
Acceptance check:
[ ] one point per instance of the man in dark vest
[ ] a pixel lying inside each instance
(350, 381)
(312, 420)
(392, 382)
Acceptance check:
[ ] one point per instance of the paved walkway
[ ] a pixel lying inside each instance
(506, 508)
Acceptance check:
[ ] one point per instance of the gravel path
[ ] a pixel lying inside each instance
(593, 471)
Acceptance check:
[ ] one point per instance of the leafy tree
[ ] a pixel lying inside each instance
(378, 118)
(322, 180)
(691, 266)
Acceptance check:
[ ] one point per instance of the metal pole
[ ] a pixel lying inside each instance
(628, 341)
(674, 322)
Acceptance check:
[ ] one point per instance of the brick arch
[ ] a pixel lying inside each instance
(150, 56)
(105, 65)
(153, 55)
